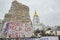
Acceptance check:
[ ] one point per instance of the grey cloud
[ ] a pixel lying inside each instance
(48, 10)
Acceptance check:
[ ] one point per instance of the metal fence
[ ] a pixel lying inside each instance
(41, 38)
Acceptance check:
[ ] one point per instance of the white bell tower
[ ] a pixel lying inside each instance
(36, 21)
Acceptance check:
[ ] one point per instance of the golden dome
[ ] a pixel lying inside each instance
(35, 14)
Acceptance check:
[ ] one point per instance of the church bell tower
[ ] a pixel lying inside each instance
(36, 21)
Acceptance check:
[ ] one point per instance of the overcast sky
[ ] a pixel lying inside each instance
(48, 10)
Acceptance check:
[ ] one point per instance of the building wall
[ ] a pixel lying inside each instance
(19, 13)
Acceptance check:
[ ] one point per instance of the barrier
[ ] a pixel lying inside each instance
(49, 38)
(42, 38)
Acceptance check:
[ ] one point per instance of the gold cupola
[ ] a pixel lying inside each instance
(35, 14)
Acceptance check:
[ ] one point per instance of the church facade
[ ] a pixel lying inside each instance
(36, 22)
